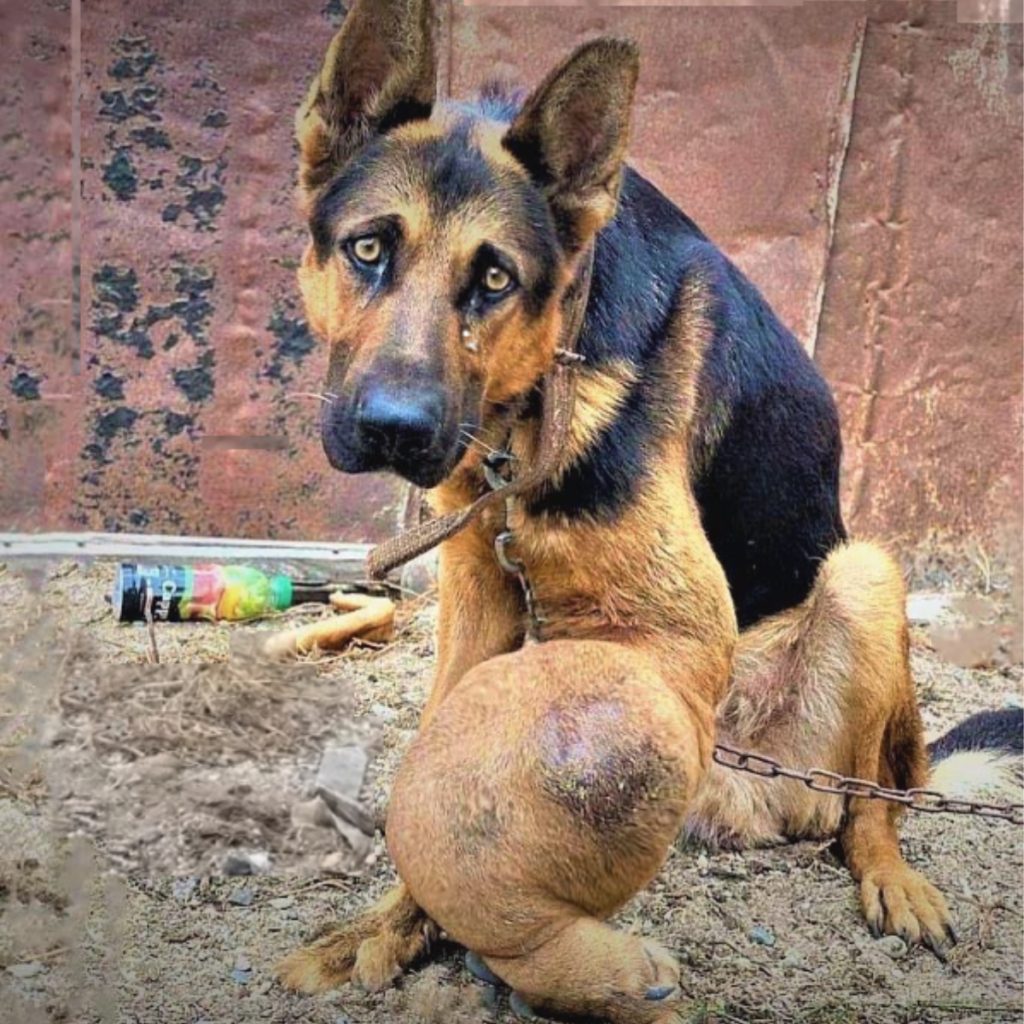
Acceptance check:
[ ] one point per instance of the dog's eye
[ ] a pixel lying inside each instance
(368, 250)
(497, 280)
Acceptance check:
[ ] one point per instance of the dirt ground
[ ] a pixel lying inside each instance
(125, 784)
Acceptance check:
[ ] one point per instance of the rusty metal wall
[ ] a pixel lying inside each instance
(37, 422)
(862, 163)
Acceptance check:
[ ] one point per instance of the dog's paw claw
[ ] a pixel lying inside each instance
(521, 1008)
(480, 970)
(941, 948)
(659, 992)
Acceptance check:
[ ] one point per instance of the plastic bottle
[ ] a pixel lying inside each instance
(211, 592)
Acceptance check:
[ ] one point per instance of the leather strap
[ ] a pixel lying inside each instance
(557, 403)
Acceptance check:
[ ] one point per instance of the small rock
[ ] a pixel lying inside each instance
(243, 897)
(348, 811)
(260, 862)
(238, 865)
(342, 770)
(342, 1019)
(334, 864)
(360, 843)
(243, 963)
(383, 712)
(794, 958)
(183, 889)
(927, 608)
(282, 902)
(158, 768)
(761, 935)
(241, 977)
(892, 946)
(24, 971)
(703, 864)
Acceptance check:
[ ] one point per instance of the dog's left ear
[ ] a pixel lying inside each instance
(572, 134)
(380, 71)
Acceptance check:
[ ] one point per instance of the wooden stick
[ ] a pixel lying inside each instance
(369, 618)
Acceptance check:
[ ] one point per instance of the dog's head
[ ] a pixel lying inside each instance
(443, 236)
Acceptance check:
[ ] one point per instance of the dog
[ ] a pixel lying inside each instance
(693, 577)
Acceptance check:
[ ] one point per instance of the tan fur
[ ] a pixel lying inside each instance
(600, 395)
(388, 938)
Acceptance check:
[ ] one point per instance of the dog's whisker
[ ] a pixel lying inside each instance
(472, 439)
(470, 436)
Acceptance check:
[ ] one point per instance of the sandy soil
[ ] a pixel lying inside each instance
(117, 774)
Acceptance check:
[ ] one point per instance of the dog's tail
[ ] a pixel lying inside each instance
(981, 757)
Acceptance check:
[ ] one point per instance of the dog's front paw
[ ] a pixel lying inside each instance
(899, 901)
(380, 961)
(323, 965)
(371, 952)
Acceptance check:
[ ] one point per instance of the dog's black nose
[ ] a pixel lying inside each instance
(399, 423)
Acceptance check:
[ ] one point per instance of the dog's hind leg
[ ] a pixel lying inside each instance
(885, 740)
(828, 685)
(896, 899)
(371, 951)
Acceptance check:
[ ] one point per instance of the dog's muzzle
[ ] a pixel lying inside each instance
(390, 427)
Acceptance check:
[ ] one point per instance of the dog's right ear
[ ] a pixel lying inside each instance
(380, 71)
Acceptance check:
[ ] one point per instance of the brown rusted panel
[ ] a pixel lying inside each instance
(739, 118)
(36, 383)
(193, 325)
(921, 332)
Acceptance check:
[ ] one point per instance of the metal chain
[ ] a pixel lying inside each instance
(494, 465)
(927, 801)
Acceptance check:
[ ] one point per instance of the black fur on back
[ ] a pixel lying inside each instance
(766, 445)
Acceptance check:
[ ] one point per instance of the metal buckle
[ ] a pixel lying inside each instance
(510, 565)
(494, 465)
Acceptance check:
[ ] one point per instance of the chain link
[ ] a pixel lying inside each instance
(928, 801)
(495, 465)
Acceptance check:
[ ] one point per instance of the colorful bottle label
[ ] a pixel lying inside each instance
(203, 592)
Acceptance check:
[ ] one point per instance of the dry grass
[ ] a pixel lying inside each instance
(232, 707)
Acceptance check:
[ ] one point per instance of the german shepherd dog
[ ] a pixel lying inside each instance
(689, 557)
